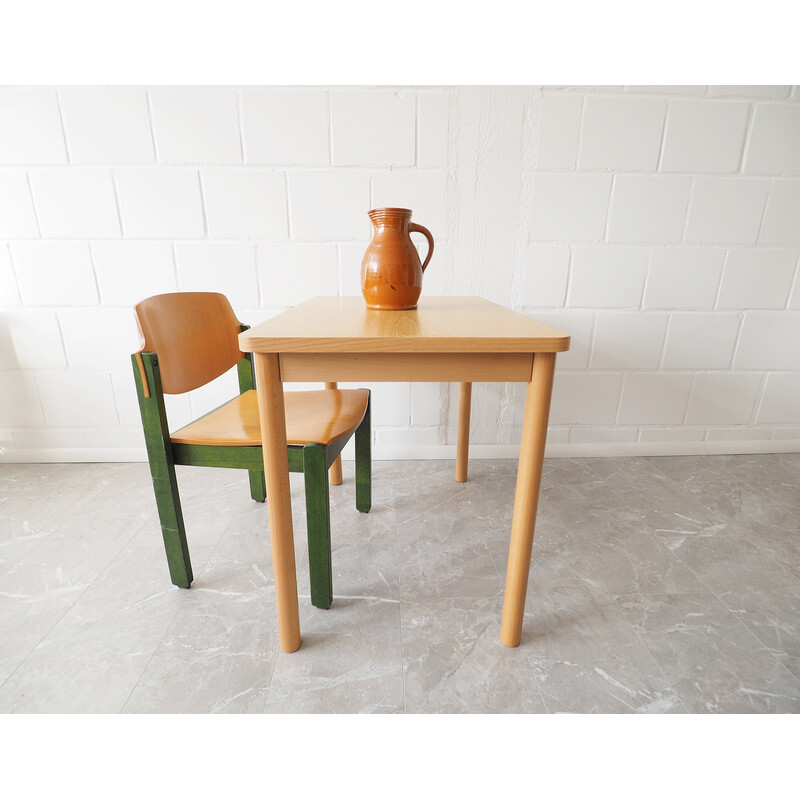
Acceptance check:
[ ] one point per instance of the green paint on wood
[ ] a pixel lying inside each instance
(333, 450)
(162, 469)
(244, 369)
(319, 525)
(231, 457)
(364, 462)
(224, 456)
(258, 486)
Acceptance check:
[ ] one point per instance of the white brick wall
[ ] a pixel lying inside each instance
(781, 215)
(9, 290)
(107, 125)
(390, 118)
(303, 135)
(30, 127)
(726, 210)
(129, 271)
(17, 217)
(591, 397)
(75, 204)
(423, 192)
(227, 267)
(683, 277)
(780, 399)
(54, 273)
(654, 398)
(85, 348)
(628, 341)
(293, 272)
(704, 137)
(701, 341)
(712, 199)
(648, 208)
(658, 225)
(621, 133)
(723, 398)
(757, 278)
(243, 204)
(611, 277)
(769, 341)
(329, 205)
(559, 126)
(569, 208)
(196, 125)
(773, 146)
(31, 339)
(433, 129)
(545, 276)
(160, 203)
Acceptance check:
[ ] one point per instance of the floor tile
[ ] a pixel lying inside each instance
(443, 553)
(350, 661)
(92, 657)
(454, 661)
(588, 659)
(712, 660)
(217, 654)
(629, 558)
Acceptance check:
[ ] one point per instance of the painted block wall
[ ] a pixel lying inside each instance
(660, 226)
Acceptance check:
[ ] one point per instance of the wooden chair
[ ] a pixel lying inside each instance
(190, 338)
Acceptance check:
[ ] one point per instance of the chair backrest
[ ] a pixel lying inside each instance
(195, 335)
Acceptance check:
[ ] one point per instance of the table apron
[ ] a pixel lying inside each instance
(433, 367)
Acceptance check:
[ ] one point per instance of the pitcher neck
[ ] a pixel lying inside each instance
(390, 217)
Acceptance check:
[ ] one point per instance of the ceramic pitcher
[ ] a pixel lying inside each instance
(391, 272)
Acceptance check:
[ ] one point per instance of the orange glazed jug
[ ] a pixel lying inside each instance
(391, 273)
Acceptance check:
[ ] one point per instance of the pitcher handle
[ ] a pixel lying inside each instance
(414, 228)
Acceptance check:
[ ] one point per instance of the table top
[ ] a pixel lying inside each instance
(438, 325)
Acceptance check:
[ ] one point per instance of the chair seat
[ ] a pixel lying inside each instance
(322, 416)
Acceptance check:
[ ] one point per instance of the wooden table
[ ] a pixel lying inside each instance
(459, 339)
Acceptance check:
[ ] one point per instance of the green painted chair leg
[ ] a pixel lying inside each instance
(363, 439)
(162, 470)
(173, 530)
(258, 486)
(318, 522)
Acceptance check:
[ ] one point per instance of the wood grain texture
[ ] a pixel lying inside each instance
(320, 417)
(433, 367)
(194, 334)
(462, 448)
(336, 468)
(526, 497)
(364, 463)
(279, 505)
(244, 370)
(439, 325)
(318, 525)
(162, 469)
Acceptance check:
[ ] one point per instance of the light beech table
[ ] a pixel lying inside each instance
(459, 339)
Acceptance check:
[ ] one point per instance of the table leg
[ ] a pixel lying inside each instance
(526, 499)
(462, 448)
(272, 416)
(336, 467)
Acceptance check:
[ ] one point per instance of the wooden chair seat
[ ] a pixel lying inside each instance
(320, 417)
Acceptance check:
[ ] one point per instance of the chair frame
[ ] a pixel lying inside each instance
(313, 460)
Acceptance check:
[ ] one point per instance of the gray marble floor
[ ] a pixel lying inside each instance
(658, 585)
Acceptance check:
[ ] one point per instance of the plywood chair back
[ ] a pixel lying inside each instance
(195, 335)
